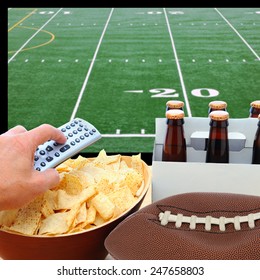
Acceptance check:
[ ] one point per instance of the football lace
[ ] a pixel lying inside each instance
(166, 217)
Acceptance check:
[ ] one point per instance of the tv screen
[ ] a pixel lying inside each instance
(117, 67)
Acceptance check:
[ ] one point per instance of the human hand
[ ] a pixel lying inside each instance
(19, 181)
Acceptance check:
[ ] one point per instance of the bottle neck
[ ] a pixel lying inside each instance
(254, 112)
(220, 124)
(174, 122)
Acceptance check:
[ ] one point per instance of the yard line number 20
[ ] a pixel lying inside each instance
(169, 92)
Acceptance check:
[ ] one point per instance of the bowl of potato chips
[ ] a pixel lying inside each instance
(72, 220)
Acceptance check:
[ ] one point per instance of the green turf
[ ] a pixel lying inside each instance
(136, 53)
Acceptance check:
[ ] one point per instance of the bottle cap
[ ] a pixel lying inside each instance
(175, 114)
(218, 105)
(255, 104)
(174, 104)
(219, 115)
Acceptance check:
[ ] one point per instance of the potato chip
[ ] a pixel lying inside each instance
(81, 215)
(7, 217)
(31, 214)
(105, 186)
(47, 210)
(65, 166)
(79, 162)
(67, 201)
(96, 172)
(58, 223)
(54, 224)
(99, 220)
(104, 206)
(102, 159)
(91, 215)
(133, 180)
(137, 163)
(122, 198)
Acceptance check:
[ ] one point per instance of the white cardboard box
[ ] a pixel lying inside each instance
(239, 176)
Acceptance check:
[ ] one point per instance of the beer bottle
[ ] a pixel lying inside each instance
(217, 105)
(256, 145)
(174, 104)
(174, 148)
(218, 146)
(254, 109)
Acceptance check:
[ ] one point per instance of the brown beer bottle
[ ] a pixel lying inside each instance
(218, 146)
(254, 109)
(256, 145)
(174, 148)
(174, 104)
(217, 105)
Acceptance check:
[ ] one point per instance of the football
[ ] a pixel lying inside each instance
(191, 226)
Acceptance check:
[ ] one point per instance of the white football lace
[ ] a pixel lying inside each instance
(166, 217)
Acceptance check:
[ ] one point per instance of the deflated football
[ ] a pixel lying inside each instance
(191, 226)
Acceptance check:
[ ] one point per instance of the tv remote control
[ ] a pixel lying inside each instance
(80, 134)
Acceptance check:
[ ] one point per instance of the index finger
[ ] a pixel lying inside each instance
(46, 132)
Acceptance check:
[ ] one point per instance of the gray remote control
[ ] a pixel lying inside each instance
(80, 134)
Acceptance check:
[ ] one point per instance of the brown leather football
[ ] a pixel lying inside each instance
(190, 226)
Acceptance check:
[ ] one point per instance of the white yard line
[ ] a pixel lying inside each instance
(90, 68)
(16, 53)
(187, 104)
(128, 135)
(251, 49)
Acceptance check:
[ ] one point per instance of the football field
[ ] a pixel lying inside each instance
(117, 67)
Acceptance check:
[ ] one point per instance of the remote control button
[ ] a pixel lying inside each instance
(70, 134)
(43, 164)
(49, 148)
(94, 130)
(86, 128)
(79, 129)
(63, 129)
(72, 143)
(49, 158)
(82, 137)
(36, 158)
(75, 132)
(76, 122)
(91, 133)
(81, 125)
(68, 126)
(86, 134)
(42, 152)
(77, 140)
(64, 148)
(57, 154)
(38, 169)
(72, 124)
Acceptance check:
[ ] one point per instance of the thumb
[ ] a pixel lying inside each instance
(47, 179)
